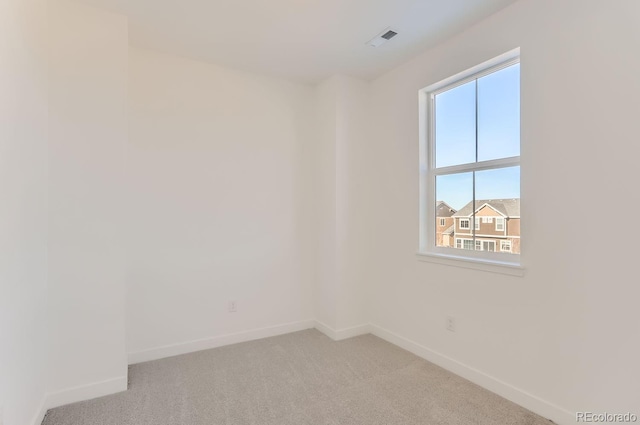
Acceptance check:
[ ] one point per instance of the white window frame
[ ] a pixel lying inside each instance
(466, 220)
(477, 220)
(502, 243)
(502, 220)
(442, 222)
(428, 251)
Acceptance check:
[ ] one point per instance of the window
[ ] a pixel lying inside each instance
(470, 158)
(442, 222)
(488, 245)
(505, 246)
(468, 244)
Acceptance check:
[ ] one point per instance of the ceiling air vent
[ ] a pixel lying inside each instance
(389, 35)
(382, 38)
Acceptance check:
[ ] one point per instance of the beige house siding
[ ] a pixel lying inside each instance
(513, 227)
(441, 239)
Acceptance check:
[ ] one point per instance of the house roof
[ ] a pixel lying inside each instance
(506, 207)
(449, 230)
(443, 209)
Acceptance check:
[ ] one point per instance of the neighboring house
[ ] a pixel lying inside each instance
(496, 226)
(444, 224)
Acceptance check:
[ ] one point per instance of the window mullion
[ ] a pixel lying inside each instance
(474, 173)
(473, 211)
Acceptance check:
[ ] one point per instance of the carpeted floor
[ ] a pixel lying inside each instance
(303, 378)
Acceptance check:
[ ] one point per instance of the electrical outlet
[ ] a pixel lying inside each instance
(451, 324)
(233, 306)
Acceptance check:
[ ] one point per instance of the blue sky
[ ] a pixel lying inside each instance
(498, 102)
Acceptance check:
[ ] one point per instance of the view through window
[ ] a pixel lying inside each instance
(474, 166)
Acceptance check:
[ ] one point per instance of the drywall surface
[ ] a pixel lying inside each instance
(325, 289)
(340, 161)
(88, 76)
(352, 192)
(218, 202)
(567, 332)
(23, 209)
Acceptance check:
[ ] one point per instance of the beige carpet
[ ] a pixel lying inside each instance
(303, 378)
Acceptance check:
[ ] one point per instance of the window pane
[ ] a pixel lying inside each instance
(498, 196)
(455, 125)
(499, 114)
(500, 183)
(453, 192)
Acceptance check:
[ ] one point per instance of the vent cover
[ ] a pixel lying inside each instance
(389, 35)
(382, 38)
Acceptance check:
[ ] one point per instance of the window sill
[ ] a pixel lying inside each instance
(472, 263)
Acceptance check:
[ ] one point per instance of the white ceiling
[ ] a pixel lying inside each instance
(303, 40)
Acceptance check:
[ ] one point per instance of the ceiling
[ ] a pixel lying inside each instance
(302, 40)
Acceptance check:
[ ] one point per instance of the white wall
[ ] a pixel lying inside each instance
(567, 332)
(340, 294)
(218, 204)
(23, 209)
(325, 288)
(352, 192)
(87, 136)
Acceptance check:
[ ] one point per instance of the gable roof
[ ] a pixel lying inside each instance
(506, 207)
(443, 209)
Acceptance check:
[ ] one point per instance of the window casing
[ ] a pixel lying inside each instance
(429, 172)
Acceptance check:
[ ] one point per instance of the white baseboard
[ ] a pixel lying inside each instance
(217, 341)
(86, 392)
(79, 393)
(528, 401)
(340, 334)
(42, 410)
(535, 404)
